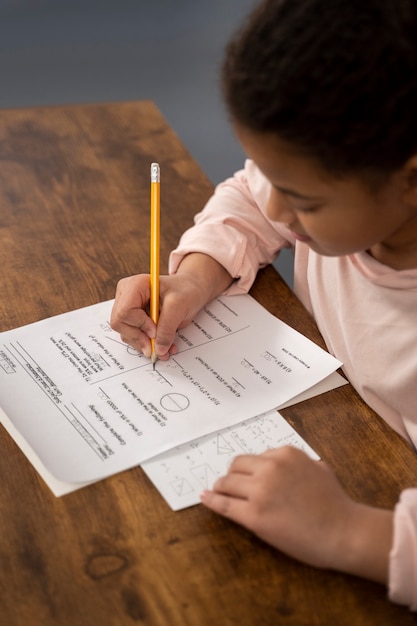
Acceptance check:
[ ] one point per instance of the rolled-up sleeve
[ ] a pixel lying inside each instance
(402, 584)
(233, 229)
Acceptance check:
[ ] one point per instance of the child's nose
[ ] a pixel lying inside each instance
(278, 208)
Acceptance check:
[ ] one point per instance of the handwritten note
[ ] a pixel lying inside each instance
(89, 406)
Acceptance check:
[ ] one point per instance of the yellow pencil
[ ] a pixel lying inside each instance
(155, 244)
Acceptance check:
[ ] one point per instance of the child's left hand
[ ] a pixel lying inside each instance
(298, 506)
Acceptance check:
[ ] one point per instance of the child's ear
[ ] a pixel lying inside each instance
(410, 181)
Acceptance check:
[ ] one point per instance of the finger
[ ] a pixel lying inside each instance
(132, 296)
(166, 331)
(232, 484)
(137, 319)
(136, 338)
(287, 456)
(232, 508)
(245, 463)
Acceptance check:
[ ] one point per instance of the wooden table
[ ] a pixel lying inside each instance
(74, 198)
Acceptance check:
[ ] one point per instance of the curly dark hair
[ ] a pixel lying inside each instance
(336, 78)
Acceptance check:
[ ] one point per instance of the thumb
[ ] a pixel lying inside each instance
(165, 333)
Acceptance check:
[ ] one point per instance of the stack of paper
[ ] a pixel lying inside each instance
(83, 405)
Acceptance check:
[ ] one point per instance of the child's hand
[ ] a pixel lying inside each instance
(179, 303)
(298, 506)
(198, 280)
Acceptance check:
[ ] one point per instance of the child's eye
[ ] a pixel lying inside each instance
(306, 209)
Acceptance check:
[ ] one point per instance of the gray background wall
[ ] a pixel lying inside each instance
(169, 51)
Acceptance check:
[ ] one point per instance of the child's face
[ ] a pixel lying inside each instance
(334, 216)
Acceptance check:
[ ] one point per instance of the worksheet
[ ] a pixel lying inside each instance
(89, 406)
(181, 474)
(177, 466)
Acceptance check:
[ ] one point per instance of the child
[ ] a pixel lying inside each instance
(323, 98)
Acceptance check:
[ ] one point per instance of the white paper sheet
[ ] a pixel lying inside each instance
(90, 406)
(163, 479)
(181, 474)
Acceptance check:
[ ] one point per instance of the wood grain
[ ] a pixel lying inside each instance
(74, 218)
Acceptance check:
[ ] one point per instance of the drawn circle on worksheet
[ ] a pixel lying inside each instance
(175, 402)
(132, 351)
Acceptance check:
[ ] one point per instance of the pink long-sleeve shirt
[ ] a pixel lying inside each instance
(365, 311)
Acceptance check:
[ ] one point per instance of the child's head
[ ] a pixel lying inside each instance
(337, 79)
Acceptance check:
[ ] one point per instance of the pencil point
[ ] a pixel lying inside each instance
(153, 359)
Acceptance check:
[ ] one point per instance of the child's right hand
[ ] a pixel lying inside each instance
(199, 279)
(179, 303)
